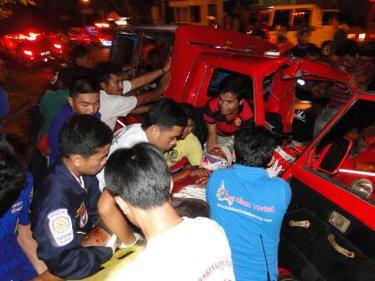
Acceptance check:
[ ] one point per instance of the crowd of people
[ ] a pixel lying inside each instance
(210, 211)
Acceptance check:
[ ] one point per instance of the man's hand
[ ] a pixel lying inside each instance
(97, 237)
(164, 82)
(199, 172)
(167, 66)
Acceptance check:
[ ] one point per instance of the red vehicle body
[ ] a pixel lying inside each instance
(200, 53)
(32, 48)
(329, 229)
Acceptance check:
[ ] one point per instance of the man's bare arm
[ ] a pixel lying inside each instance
(147, 78)
(29, 245)
(212, 136)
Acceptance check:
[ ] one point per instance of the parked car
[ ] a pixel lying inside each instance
(33, 48)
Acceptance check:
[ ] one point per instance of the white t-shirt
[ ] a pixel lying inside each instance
(112, 106)
(196, 249)
(123, 138)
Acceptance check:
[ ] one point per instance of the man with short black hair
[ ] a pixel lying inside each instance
(250, 205)
(139, 179)
(162, 126)
(226, 113)
(112, 85)
(304, 49)
(65, 207)
(80, 61)
(83, 99)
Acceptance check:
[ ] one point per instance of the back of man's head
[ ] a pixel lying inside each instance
(84, 85)
(164, 113)
(83, 135)
(253, 146)
(12, 179)
(104, 70)
(66, 76)
(139, 175)
(78, 52)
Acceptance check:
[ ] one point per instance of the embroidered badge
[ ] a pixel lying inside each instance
(60, 225)
(237, 121)
(82, 214)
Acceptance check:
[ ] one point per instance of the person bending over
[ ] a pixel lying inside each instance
(64, 209)
(226, 113)
(250, 205)
(162, 126)
(178, 248)
(113, 104)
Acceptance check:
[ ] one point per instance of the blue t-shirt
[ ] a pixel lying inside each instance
(14, 264)
(250, 206)
(53, 135)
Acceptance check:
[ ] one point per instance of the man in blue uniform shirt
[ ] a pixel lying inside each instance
(64, 209)
(15, 236)
(83, 98)
(250, 206)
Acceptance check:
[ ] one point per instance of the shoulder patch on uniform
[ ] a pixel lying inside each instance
(60, 225)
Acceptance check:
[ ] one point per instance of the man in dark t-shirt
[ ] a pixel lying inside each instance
(305, 49)
(226, 113)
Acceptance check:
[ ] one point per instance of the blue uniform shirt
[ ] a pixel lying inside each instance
(62, 211)
(53, 135)
(14, 265)
(250, 207)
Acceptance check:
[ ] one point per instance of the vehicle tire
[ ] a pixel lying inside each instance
(326, 48)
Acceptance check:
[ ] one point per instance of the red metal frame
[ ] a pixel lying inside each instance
(354, 205)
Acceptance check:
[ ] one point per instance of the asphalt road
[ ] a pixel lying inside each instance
(25, 88)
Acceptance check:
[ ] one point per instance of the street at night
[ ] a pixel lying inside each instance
(187, 140)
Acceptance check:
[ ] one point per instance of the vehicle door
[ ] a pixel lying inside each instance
(328, 231)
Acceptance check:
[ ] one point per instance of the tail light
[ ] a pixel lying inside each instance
(28, 53)
(57, 46)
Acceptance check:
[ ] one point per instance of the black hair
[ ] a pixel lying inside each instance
(104, 70)
(349, 47)
(253, 146)
(78, 52)
(12, 179)
(190, 207)
(67, 75)
(165, 113)
(84, 85)
(139, 175)
(83, 134)
(236, 84)
(189, 110)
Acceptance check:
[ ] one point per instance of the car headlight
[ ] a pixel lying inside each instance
(362, 36)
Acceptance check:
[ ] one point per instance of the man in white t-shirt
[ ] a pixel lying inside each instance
(162, 126)
(178, 248)
(113, 104)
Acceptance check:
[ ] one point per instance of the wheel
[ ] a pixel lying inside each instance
(326, 48)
